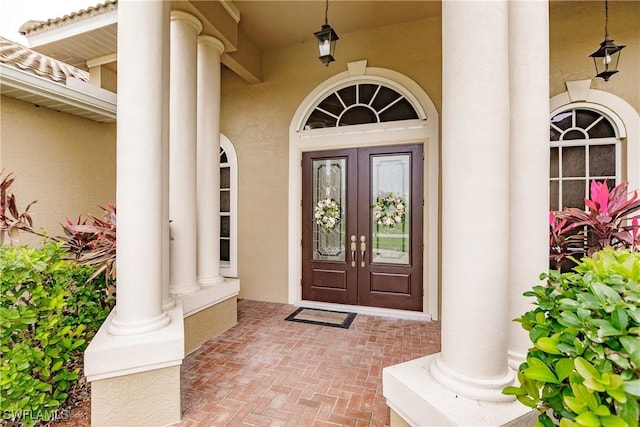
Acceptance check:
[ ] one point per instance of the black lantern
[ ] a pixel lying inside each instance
(326, 40)
(606, 58)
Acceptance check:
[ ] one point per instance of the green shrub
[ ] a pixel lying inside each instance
(585, 363)
(48, 314)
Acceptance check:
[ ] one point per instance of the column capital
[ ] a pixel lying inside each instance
(208, 40)
(187, 18)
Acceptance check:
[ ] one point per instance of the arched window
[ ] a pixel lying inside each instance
(584, 147)
(359, 104)
(228, 208)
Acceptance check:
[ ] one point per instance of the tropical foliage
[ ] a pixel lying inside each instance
(611, 220)
(12, 221)
(49, 311)
(585, 363)
(92, 241)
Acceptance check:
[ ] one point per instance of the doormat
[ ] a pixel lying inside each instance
(335, 319)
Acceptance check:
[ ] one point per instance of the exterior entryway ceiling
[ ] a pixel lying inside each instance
(423, 130)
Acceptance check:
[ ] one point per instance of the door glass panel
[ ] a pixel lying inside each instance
(390, 213)
(329, 209)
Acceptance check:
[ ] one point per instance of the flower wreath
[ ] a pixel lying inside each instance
(327, 213)
(389, 210)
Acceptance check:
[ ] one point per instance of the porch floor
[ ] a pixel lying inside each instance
(270, 372)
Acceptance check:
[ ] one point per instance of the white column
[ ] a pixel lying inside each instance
(182, 165)
(167, 299)
(529, 177)
(475, 206)
(208, 185)
(139, 168)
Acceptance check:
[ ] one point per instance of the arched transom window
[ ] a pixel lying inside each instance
(358, 104)
(584, 147)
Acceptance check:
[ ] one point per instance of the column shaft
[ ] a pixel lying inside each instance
(167, 298)
(475, 225)
(208, 185)
(529, 177)
(141, 27)
(182, 165)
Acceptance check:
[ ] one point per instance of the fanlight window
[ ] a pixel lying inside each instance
(584, 147)
(359, 104)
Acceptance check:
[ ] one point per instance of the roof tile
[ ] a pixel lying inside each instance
(14, 54)
(30, 28)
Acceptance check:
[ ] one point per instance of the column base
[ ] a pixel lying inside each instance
(184, 289)
(485, 390)
(127, 328)
(210, 281)
(419, 399)
(516, 359)
(109, 356)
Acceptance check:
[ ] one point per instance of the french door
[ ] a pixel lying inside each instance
(362, 240)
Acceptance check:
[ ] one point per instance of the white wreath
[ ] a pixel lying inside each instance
(389, 210)
(327, 213)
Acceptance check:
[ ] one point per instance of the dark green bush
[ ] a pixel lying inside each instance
(585, 363)
(48, 314)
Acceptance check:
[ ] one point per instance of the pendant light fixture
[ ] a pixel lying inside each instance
(326, 39)
(606, 58)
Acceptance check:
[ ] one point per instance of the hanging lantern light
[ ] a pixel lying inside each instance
(326, 39)
(606, 58)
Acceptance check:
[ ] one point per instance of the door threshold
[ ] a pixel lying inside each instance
(370, 311)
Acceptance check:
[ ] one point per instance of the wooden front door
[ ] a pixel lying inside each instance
(362, 240)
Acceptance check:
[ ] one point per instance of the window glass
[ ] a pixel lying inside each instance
(228, 208)
(583, 148)
(602, 160)
(573, 163)
(358, 115)
(332, 105)
(360, 104)
(555, 171)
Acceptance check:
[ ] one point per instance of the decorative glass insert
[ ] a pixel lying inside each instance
(359, 104)
(329, 209)
(390, 213)
(583, 148)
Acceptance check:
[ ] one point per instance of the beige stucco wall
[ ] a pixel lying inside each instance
(256, 119)
(200, 327)
(66, 163)
(150, 398)
(576, 29)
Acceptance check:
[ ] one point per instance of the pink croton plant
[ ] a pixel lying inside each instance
(611, 219)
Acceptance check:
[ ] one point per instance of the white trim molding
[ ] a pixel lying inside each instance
(423, 130)
(77, 97)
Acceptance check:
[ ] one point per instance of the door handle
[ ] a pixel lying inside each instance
(353, 250)
(363, 250)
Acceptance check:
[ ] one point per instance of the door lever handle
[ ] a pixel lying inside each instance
(363, 250)
(353, 250)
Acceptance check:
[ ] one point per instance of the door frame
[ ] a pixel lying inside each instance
(423, 130)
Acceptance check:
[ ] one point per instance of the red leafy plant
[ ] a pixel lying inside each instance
(12, 221)
(92, 241)
(610, 221)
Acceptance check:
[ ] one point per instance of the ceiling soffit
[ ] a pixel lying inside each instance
(262, 25)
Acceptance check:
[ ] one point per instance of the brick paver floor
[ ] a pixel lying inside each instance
(270, 372)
